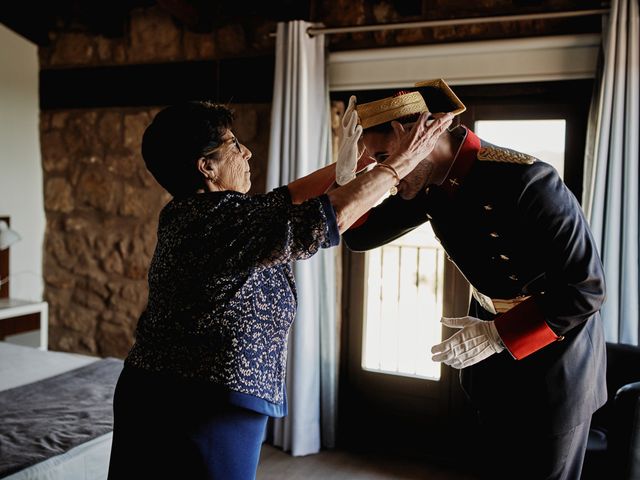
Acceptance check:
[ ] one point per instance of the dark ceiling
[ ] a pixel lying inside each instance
(35, 19)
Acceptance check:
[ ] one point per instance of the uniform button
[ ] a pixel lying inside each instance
(488, 207)
(513, 277)
(454, 182)
(560, 338)
(426, 190)
(429, 217)
(504, 257)
(494, 235)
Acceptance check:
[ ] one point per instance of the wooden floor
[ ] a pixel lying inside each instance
(339, 465)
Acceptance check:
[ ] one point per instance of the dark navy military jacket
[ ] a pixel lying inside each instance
(515, 229)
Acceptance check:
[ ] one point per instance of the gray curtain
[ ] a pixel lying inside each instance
(299, 144)
(611, 170)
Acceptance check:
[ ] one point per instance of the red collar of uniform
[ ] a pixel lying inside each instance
(462, 163)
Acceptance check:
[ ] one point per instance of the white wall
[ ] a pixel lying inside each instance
(537, 59)
(21, 195)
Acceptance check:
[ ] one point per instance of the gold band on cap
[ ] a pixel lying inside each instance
(390, 108)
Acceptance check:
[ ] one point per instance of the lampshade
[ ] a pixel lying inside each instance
(7, 236)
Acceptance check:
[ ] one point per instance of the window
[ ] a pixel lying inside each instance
(403, 305)
(544, 139)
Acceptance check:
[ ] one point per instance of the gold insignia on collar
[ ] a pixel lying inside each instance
(497, 154)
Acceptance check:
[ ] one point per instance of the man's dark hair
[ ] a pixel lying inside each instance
(177, 137)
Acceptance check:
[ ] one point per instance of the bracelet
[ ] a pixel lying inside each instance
(393, 189)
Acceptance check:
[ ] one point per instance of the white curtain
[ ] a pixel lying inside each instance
(299, 144)
(611, 171)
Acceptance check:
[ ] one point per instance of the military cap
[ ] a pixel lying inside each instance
(433, 96)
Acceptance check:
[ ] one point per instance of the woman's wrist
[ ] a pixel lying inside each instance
(396, 177)
(402, 164)
(391, 169)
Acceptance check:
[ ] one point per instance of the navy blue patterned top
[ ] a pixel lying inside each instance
(222, 294)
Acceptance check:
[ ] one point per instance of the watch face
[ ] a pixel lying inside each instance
(439, 97)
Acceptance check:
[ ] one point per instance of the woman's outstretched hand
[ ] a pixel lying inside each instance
(352, 200)
(415, 145)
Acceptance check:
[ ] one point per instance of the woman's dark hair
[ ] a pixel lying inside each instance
(177, 137)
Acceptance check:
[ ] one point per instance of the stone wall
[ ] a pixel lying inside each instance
(102, 208)
(153, 36)
(365, 12)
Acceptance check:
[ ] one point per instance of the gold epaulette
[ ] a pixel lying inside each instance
(497, 154)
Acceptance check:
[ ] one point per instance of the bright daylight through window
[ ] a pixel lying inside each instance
(404, 305)
(544, 139)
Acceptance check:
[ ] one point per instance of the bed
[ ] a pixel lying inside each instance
(55, 414)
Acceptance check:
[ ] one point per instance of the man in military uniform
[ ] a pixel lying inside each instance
(531, 350)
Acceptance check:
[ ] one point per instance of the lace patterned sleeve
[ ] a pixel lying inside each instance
(266, 230)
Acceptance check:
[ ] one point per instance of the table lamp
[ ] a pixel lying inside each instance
(7, 236)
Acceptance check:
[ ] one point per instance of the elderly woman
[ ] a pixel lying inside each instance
(208, 364)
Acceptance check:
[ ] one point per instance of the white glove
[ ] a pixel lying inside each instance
(477, 340)
(349, 134)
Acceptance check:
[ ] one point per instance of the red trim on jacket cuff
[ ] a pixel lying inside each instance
(523, 329)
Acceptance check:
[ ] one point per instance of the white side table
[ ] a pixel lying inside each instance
(21, 319)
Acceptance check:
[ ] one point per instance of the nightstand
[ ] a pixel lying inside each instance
(24, 322)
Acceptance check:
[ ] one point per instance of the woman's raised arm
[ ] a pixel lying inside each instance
(352, 200)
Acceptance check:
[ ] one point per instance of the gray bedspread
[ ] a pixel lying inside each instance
(49, 417)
